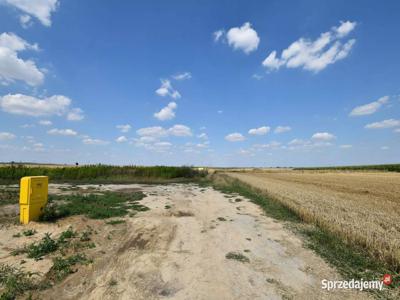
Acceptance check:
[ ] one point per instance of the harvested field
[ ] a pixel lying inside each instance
(362, 208)
(193, 243)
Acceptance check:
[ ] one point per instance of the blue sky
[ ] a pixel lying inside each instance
(216, 83)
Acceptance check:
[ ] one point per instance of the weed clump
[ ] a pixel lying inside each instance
(14, 281)
(62, 267)
(115, 222)
(237, 256)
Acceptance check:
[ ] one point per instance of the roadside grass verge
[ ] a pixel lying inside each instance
(101, 173)
(107, 205)
(62, 267)
(351, 261)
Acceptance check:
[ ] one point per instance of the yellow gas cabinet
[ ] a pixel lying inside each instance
(32, 197)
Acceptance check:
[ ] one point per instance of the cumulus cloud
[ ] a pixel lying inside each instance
(58, 105)
(389, 123)
(314, 55)
(124, 128)
(370, 108)
(90, 141)
(180, 130)
(243, 38)
(40, 9)
(260, 131)
(182, 76)
(45, 122)
(75, 114)
(65, 132)
(166, 89)
(155, 132)
(282, 129)
(235, 137)
(166, 113)
(6, 136)
(323, 136)
(12, 67)
(121, 139)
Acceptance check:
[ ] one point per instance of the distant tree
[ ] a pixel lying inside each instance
(76, 164)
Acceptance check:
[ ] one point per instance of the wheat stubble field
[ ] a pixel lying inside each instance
(361, 208)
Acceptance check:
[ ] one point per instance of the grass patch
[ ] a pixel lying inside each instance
(222, 219)
(29, 232)
(113, 282)
(94, 206)
(237, 256)
(8, 196)
(15, 282)
(62, 267)
(351, 261)
(167, 206)
(115, 222)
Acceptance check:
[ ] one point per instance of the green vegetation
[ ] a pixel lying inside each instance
(237, 256)
(40, 249)
(115, 222)
(29, 232)
(101, 173)
(8, 196)
(112, 282)
(350, 260)
(14, 282)
(93, 206)
(62, 267)
(388, 167)
(222, 219)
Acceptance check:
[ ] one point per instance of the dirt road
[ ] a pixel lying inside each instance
(177, 250)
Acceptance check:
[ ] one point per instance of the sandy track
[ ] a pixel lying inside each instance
(179, 253)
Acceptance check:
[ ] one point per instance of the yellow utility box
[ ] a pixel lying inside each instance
(32, 197)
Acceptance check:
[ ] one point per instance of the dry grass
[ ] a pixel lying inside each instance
(361, 208)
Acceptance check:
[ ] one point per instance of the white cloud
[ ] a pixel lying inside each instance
(155, 132)
(314, 55)
(75, 114)
(58, 105)
(260, 131)
(182, 76)
(13, 67)
(90, 141)
(218, 34)
(121, 139)
(124, 128)
(370, 108)
(298, 142)
(27, 126)
(235, 137)
(257, 77)
(243, 38)
(385, 148)
(180, 130)
(66, 132)
(323, 136)
(166, 89)
(45, 122)
(346, 146)
(203, 136)
(31, 106)
(6, 136)
(166, 113)
(25, 21)
(390, 123)
(282, 129)
(397, 130)
(41, 9)
(345, 28)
